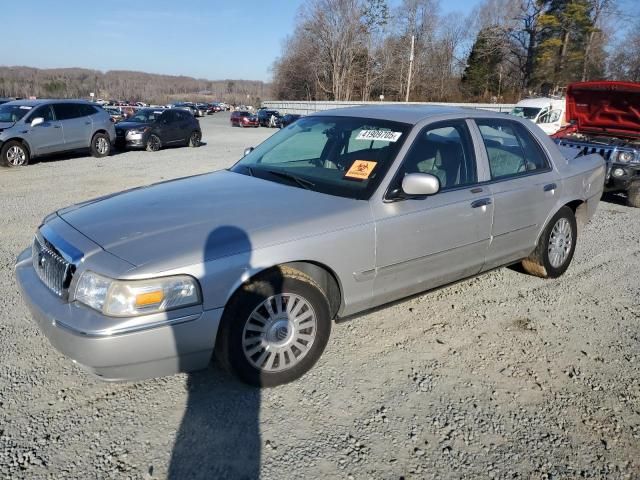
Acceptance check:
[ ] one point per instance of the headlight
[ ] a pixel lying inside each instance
(136, 131)
(626, 157)
(127, 298)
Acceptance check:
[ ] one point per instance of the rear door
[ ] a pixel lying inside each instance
(184, 123)
(524, 186)
(47, 137)
(168, 125)
(76, 124)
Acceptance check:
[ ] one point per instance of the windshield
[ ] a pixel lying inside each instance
(526, 112)
(146, 115)
(342, 156)
(13, 113)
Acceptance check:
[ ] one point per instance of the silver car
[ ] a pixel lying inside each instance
(32, 128)
(340, 212)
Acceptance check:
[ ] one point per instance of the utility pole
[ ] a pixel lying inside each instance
(413, 39)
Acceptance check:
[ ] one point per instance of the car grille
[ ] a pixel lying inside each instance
(54, 271)
(604, 152)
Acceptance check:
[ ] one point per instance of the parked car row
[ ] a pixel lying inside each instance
(34, 128)
(264, 118)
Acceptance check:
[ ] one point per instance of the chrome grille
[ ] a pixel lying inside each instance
(54, 271)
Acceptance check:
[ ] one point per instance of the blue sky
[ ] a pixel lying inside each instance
(213, 39)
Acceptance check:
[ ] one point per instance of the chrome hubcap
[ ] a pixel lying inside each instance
(16, 156)
(102, 146)
(279, 332)
(560, 242)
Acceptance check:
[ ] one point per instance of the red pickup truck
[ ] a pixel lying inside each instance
(604, 117)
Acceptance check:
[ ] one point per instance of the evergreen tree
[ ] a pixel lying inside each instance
(481, 77)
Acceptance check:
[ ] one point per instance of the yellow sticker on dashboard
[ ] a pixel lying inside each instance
(361, 169)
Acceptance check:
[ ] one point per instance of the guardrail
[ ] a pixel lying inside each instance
(305, 107)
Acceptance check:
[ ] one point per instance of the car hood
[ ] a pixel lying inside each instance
(129, 125)
(604, 107)
(172, 224)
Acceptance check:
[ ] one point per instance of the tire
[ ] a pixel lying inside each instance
(633, 195)
(194, 139)
(14, 154)
(556, 246)
(100, 145)
(153, 143)
(248, 331)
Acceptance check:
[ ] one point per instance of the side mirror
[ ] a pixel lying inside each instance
(37, 121)
(247, 151)
(420, 184)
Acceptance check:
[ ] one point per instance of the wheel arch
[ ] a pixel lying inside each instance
(579, 208)
(23, 142)
(324, 276)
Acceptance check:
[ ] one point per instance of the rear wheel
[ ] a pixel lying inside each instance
(100, 145)
(194, 139)
(556, 246)
(14, 154)
(153, 143)
(633, 195)
(274, 329)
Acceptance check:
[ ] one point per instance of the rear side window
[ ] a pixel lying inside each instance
(511, 149)
(67, 111)
(87, 109)
(444, 150)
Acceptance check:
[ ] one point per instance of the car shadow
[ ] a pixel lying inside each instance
(219, 435)
(55, 157)
(617, 198)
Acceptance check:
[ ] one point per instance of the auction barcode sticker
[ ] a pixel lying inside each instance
(383, 135)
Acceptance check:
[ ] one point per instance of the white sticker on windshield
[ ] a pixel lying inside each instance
(25, 107)
(382, 135)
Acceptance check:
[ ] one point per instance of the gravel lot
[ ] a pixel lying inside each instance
(502, 376)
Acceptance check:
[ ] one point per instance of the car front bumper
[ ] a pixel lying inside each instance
(179, 344)
(621, 175)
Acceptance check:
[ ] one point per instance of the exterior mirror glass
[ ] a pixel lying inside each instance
(247, 151)
(37, 121)
(420, 184)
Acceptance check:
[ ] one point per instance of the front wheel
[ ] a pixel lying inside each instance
(274, 328)
(153, 143)
(100, 145)
(633, 195)
(556, 246)
(14, 154)
(194, 139)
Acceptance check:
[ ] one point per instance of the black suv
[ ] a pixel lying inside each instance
(264, 117)
(154, 128)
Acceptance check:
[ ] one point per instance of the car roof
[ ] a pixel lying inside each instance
(41, 101)
(410, 114)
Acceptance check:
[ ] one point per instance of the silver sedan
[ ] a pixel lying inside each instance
(340, 212)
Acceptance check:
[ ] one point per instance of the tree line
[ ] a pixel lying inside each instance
(501, 51)
(25, 82)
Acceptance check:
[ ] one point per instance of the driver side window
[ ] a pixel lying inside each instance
(444, 150)
(43, 111)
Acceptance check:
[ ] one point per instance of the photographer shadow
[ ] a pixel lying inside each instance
(219, 436)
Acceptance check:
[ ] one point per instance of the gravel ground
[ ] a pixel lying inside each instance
(501, 376)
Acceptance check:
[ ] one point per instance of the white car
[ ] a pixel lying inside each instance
(548, 113)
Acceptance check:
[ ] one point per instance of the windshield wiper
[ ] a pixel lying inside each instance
(301, 182)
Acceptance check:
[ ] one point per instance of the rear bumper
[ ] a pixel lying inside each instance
(181, 344)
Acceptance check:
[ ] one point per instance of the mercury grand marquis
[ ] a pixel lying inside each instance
(340, 212)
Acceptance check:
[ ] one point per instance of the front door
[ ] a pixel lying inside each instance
(425, 242)
(46, 137)
(524, 187)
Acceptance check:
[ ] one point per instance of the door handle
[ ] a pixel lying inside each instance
(476, 190)
(87, 123)
(550, 186)
(482, 202)
(57, 126)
